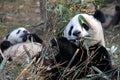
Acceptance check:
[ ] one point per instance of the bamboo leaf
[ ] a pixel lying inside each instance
(27, 52)
(60, 9)
(96, 69)
(82, 20)
(2, 64)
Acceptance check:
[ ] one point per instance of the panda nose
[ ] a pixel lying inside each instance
(76, 33)
(25, 32)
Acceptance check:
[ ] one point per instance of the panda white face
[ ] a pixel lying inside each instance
(75, 30)
(18, 35)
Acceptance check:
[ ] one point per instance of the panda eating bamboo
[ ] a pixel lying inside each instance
(83, 25)
(76, 61)
(18, 43)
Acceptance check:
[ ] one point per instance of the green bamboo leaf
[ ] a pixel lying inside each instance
(27, 52)
(86, 46)
(96, 69)
(60, 9)
(2, 64)
(89, 38)
(82, 20)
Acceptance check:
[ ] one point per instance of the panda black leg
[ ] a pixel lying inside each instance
(35, 38)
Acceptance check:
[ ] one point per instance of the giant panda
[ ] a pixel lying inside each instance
(83, 25)
(18, 38)
(19, 52)
(19, 35)
(83, 62)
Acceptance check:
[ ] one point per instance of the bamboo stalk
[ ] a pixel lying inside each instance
(69, 64)
(25, 69)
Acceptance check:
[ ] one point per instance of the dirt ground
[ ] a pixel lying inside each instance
(22, 13)
(26, 14)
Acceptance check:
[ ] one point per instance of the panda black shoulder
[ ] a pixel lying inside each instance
(5, 45)
(99, 16)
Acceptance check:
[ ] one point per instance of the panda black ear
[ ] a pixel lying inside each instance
(99, 16)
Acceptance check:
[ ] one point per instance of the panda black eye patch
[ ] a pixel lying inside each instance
(85, 26)
(18, 31)
(70, 31)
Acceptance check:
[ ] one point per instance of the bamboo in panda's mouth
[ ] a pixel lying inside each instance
(78, 38)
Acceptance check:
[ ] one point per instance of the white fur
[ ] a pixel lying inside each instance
(95, 31)
(18, 52)
(14, 38)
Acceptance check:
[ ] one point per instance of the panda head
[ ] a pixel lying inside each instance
(79, 27)
(18, 35)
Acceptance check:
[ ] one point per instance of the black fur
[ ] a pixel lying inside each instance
(32, 37)
(18, 32)
(99, 16)
(35, 38)
(25, 37)
(5, 45)
(86, 26)
(117, 8)
(70, 31)
(97, 56)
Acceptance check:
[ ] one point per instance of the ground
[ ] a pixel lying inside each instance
(26, 13)
(112, 35)
(19, 14)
